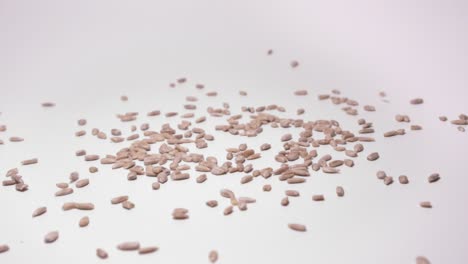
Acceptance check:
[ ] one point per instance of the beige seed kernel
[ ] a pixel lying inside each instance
(84, 221)
(202, 178)
(340, 191)
(422, 260)
(425, 204)
(433, 177)
(101, 253)
(285, 201)
(417, 101)
(4, 248)
(82, 183)
(29, 161)
(64, 191)
(62, 185)
(39, 211)
(51, 237)
(228, 210)
(212, 203)
(318, 197)
(297, 227)
(266, 188)
(129, 246)
(180, 214)
(119, 199)
(373, 156)
(213, 256)
(147, 250)
(292, 193)
(128, 205)
(403, 179)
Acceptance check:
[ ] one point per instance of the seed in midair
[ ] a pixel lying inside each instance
(51, 237)
(291, 193)
(4, 248)
(425, 204)
(180, 214)
(147, 250)
(266, 188)
(417, 101)
(101, 253)
(388, 180)
(403, 179)
(339, 191)
(213, 256)
(128, 246)
(433, 177)
(228, 210)
(128, 205)
(297, 227)
(381, 175)
(29, 161)
(318, 197)
(285, 201)
(84, 221)
(422, 260)
(39, 211)
(294, 64)
(82, 183)
(212, 203)
(373, 156)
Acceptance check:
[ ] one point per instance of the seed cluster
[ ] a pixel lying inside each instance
(169, 153)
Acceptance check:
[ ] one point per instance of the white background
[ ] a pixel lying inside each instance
(83, 55)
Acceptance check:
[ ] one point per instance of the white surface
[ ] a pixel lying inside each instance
(83, 55)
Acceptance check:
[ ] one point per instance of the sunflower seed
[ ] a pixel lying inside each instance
(339, 191)
(84, 221)
(128, 205)
(80, 152)
(416, 101)
(292, 193)
(180, 214)
(202, 178)
(39, 211)
(51, 237)
(403, 179)
(16, 139)
(425, 204)
(128, 246)
(212, 203)
(119, 199)
(91, 157)
(373, 156)
(294, 64)
(64, 191)
(228, 210)
(388, 180)
(318, 197)
(285, 201)
(29, 161)
(79, 206)
(147, 250)
(82, 183)
(101, 253)
(433, 177)
(213, 256)
(422, 260)
(381, 175)
(297, 227)
(246, 179)
(4, 248)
